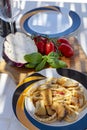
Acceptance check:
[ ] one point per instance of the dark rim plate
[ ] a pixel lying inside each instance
(62, 15)
(19, 98)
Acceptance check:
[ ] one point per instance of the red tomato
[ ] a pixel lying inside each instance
(66, 50)
(63, 40)
(40, 38)
(40, 43)
(49, 47)
(36, 38)
(59, 92)
(41, 47)
(44, 45)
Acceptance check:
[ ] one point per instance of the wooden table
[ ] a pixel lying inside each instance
(77, 62)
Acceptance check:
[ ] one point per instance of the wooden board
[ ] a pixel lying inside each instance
(77, 62)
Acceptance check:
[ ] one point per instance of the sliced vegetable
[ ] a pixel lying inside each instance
(16, 46)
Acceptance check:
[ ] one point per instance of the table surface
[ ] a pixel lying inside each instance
(8, 120)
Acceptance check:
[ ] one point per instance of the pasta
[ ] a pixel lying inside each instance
(58, 99)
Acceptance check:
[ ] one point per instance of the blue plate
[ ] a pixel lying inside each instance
(21, 110)
(51, 21)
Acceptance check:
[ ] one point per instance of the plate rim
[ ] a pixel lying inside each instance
(74, 16)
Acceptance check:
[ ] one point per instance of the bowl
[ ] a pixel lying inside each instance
(33, 81)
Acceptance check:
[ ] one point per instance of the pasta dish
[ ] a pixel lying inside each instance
(58, 99)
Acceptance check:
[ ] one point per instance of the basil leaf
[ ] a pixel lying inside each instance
(41, 65)
(50, 60)
(34, 58)
(55, 63)
(30, 65)
(53, 54)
